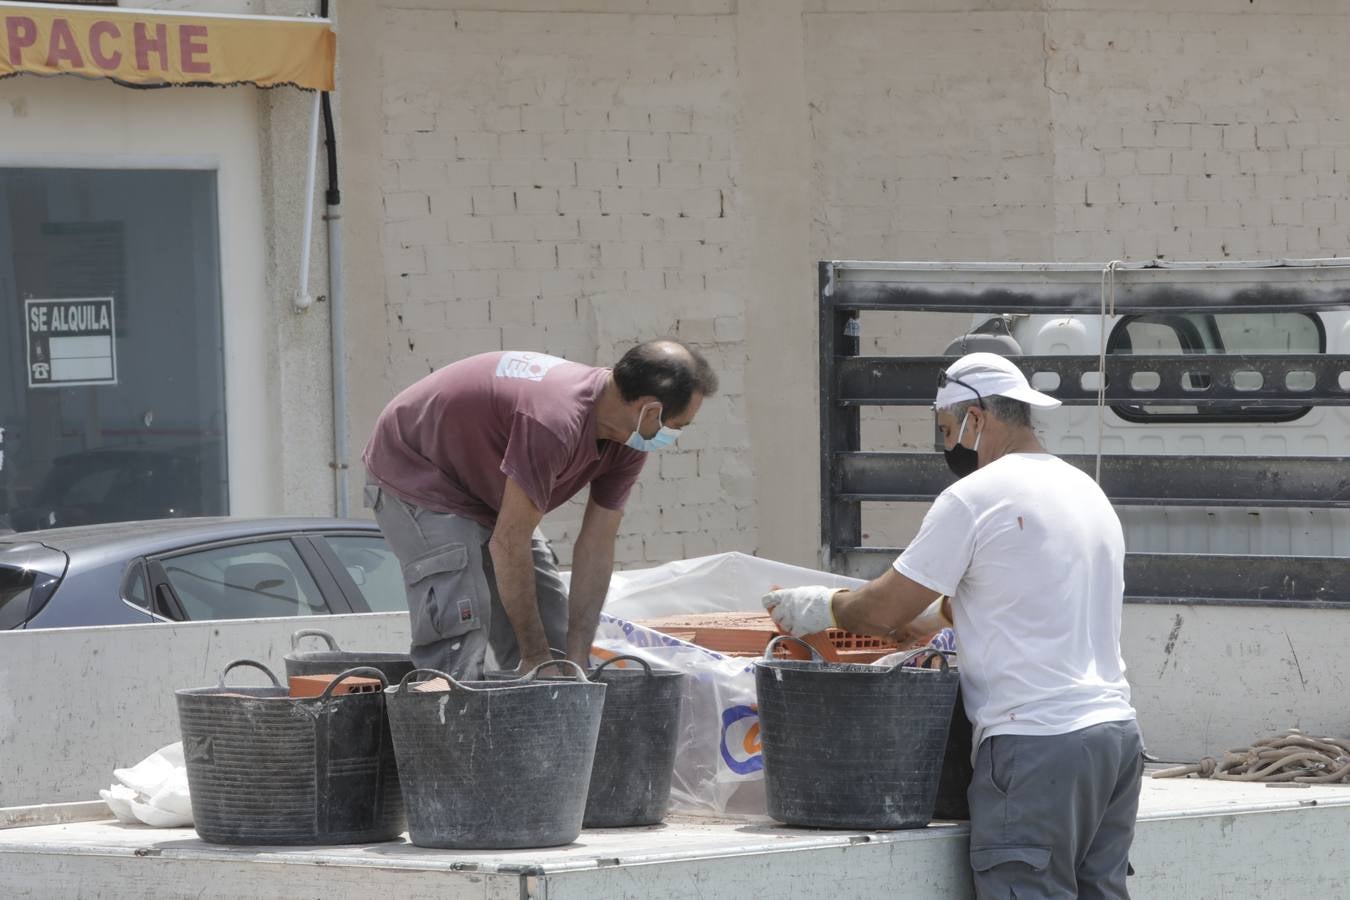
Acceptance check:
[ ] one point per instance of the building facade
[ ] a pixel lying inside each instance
(574, 176)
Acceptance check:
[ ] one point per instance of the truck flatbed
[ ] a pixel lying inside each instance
(1196, 839)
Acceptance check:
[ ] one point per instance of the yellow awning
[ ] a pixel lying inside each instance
(151, 48)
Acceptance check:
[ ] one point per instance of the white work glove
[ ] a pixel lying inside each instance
(802, 610)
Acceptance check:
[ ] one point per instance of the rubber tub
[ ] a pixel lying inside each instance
(335, 659)
(495, 765)
(850, 745)
(635, 754)
(957, 770)
(266, 768)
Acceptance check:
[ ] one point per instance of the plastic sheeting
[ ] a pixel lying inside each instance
(727, 582)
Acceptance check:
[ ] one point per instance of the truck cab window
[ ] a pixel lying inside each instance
(1215, 334)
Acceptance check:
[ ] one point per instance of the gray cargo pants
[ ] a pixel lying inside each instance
(456, 613)
(1053, 817)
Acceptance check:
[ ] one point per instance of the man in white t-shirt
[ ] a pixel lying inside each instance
(1032, 556)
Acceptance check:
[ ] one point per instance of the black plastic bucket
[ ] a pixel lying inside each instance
(335, 659)
(267, 768)
(635, 754)
(852, 746)
(956, 767)
(496, 765)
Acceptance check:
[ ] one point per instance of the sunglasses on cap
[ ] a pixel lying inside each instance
(944, 379)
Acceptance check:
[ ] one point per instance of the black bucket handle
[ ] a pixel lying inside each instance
(579, 672)
(315, 632)
(401, 687)
(367, 671)
(220, 684)
(928, 653)
(773, 645)
(627, 657)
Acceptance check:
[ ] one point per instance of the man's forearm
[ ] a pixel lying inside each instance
(592, 566)
(870, 610)
(853, 613)
(513, 562)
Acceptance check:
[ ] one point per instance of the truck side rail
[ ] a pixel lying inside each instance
(1201, 579)
(851, 476)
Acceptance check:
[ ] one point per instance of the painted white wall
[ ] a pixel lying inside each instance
(71, 123)
(1206, 679)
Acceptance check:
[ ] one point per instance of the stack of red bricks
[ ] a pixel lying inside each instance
(748, 634)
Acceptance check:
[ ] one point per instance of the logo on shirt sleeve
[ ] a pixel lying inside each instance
(531, 366)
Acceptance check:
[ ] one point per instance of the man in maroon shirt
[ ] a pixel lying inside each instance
(464, 464)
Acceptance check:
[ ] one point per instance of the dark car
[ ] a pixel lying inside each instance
(178, 570)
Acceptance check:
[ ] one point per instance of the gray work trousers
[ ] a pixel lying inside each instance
(455, 611)
(1053, 816)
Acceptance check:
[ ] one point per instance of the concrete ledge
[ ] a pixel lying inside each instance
(53, 814)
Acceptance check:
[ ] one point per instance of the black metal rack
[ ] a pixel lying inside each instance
(851, 476)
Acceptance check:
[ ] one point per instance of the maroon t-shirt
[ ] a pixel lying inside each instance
(448, 442)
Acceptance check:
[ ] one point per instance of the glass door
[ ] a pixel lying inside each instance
(112, 382)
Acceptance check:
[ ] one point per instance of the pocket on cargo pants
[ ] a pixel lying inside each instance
(447, 593)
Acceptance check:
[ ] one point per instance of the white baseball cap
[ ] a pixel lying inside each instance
(988, 375)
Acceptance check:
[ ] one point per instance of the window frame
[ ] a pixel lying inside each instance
(164, 597)
(341, 577)
(1135, 413)
(138, 570)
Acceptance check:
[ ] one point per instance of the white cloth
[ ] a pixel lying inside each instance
(1032, 555)
(992, 376)
(152, 792)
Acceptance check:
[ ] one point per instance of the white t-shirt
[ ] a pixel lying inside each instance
(1032, 555)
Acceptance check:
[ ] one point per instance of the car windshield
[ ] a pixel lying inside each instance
(16, 585)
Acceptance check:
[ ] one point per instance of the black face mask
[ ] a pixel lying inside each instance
(962, 460)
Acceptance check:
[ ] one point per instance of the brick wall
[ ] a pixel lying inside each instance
(566, 183)
(1199, 135)
(1027, 131)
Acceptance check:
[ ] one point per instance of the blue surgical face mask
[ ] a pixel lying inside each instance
(663, 438)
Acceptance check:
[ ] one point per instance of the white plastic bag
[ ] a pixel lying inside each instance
(718, 759)
(152, 792)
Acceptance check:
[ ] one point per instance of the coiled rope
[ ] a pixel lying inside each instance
(1290, 757)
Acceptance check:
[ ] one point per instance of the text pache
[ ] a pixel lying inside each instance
(101, 45)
